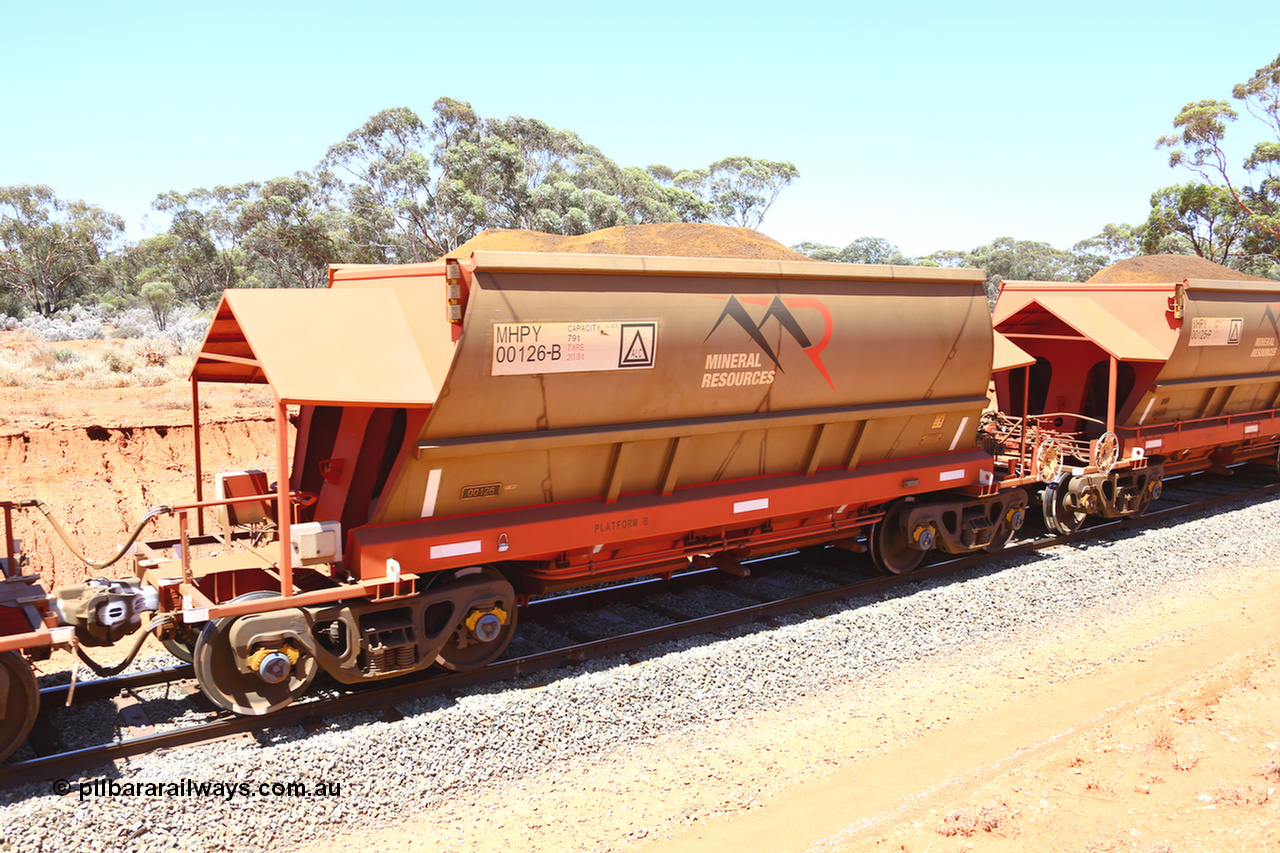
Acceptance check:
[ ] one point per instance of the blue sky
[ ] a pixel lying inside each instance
(933, 125)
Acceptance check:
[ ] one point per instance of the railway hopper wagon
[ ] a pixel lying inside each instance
(474, 431)
(1123, 384)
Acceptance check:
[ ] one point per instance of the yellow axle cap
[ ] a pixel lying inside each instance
(477, 615)
(255, 659)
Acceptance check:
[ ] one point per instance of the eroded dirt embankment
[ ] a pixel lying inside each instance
(100, 481)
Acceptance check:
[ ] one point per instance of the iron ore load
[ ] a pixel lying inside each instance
(496, 425)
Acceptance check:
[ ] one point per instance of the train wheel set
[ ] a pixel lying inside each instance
(483, 429)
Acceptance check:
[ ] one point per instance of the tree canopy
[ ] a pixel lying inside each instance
(50, 248)
(414, 191)
(1199, 144)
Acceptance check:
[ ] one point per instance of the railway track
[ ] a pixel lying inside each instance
(778, 585)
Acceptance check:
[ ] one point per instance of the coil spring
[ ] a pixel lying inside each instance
(383, 659)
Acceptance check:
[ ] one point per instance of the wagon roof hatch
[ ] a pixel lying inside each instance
(317, 346)
(1128, 337)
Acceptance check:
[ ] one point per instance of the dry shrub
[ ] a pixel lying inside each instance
(179, 366)
(1161, 735)
(150, 377)
(996, 818)
(16, 373)
(1103, 843)
(170, 401)
(151, 357)
(1271, 768)
(258, 398)
(42, 359)
(100, 377)
(1238, 794)
(1185, 762)
(116, 360)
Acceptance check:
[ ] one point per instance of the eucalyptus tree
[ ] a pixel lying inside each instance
(740, 189)
(50, 248)
(1114, 243)
(415, 190)
(289, 226)
(863, 250)
(201, 249)
(1196, 218)
(1199, 144)
(406, 202)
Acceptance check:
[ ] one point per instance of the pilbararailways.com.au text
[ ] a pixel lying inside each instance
(93, 788)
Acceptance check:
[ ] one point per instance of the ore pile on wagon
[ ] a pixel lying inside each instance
(495, 425)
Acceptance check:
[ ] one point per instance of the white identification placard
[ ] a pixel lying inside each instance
(527, 348)
(1215, 331)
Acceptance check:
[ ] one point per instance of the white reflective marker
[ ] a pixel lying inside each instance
(433, 489)
(456, 549)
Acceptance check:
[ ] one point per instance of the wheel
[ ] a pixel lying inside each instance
(245, 693)
(1003, 534)
(1057, 517)
(890, 549)
(1154, 489)
(22, 701)
(1010, 521)
(183, 642)
(482, 633)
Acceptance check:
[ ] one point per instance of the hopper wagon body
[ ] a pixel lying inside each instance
(1126, 383)
(597, 417)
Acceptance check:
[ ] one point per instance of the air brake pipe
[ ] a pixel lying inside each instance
(124, 549)
(103, 671)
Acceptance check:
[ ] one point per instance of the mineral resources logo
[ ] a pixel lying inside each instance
(734, 369)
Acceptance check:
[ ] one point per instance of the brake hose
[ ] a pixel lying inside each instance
(124, 549)
(108, 671)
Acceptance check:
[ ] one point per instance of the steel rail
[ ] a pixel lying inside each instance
(105, 688)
